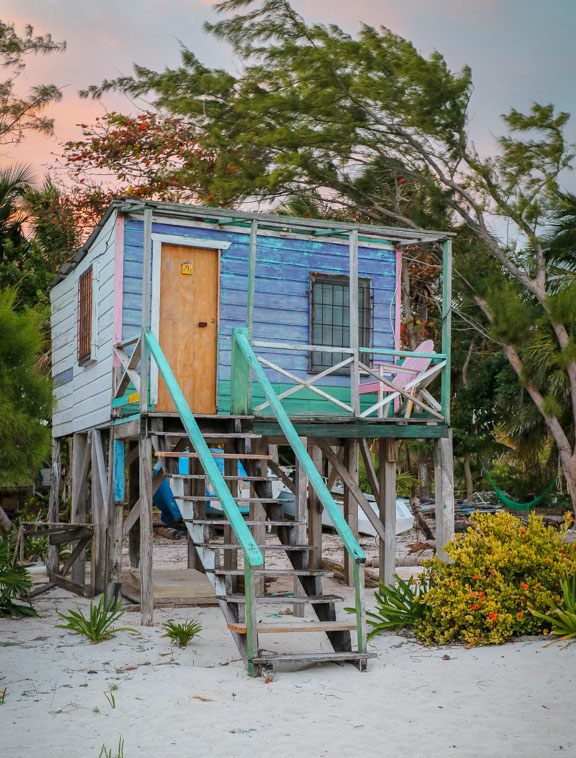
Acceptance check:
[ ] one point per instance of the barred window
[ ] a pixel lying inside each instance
(330, 317)
(85, 316)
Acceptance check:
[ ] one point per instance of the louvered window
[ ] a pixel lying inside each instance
(85, 316)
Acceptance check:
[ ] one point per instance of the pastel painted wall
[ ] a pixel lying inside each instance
(282, 298)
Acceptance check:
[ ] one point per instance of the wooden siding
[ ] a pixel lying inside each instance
(82, 394)
(282, 299)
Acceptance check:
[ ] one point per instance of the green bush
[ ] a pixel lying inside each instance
(499, 572)
(15, 583)
(397, 607)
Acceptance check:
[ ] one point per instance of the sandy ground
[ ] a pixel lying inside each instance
(505, 701)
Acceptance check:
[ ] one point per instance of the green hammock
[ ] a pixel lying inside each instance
(514, 504)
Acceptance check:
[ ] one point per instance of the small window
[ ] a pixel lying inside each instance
(330, 317)
(85, 316)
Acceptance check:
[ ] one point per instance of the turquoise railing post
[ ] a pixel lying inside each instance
(240, 383)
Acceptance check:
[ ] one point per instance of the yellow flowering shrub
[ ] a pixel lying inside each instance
(498, 571)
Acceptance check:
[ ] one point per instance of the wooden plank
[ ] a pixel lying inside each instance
(369, 466)
(444, 494)
(71, 536)
(74, 555)
(354, 335)
(66, 584)
(54, 503)
(446, 325)
(358, 428)
(146, 536)
(251, 277)
(188, 331)
(116, 499)
(300, 510)
(355, 490)
(145, 308)
(350, 502)
(387, 504)
(81, 454)
(307, 626)
(217, 454)
(315, 509)
(312, 657)
(273, 465)
(99, 512)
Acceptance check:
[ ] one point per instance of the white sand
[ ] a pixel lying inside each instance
(507, 701)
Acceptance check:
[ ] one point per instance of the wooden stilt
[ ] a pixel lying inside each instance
(388, 454)
(133, 498)
(116, 499)
(146, 537)
(230, 469)
(197, 487)
(99, 512)
(300, 507)
(81, 452)
(350, 503)
(444, 493)
(257, 512)
(315, 512)
(52, 562)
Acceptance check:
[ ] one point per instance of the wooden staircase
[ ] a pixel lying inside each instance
(285, 556)
(240, 604)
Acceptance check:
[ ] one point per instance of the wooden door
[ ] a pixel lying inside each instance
(188, 333)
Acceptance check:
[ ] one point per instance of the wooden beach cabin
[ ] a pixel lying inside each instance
(179, 328)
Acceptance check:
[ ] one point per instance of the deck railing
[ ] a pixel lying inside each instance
(414, 393)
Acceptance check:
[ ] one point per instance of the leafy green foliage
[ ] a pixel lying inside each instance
(181, 634)
(15, 583)
(563, 617)
(25, 393)
(106, 752)
(98, 625)
(399, 606)
(499, 571)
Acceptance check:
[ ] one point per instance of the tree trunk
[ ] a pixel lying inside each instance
(468, 477)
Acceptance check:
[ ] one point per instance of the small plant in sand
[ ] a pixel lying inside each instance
(111, 699)
(106, 752)
(398, 607)
(181, 634)
(3, 695)
(97, 626)
(563, 617)
(15, 583)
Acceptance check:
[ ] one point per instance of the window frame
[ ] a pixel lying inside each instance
(85, 343)
(365, 320)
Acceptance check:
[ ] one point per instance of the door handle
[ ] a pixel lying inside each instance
(202, 323)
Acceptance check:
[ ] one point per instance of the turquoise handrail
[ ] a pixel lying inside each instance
(314, 477)
(245, 539)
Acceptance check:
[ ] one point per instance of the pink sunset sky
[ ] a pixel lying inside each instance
(519, 51)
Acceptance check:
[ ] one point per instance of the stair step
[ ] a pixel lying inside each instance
(234, 545)
(274, 572)
(284, 599)
(312, 657)
(306, 626)
(227, 477)
(217, 454)
(215, 498)
(225, 522)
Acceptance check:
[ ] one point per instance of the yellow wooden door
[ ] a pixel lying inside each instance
(189, 287)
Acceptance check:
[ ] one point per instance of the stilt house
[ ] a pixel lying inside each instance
(179, 328)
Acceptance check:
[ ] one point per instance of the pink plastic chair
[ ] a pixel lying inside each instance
(413, 367)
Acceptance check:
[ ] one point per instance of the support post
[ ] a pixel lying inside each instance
(133, 464)
(315, 512)
(99, 512)
(354, 334)
(446, 326)
(444, 493)
(52, 561)
(350, 504)
(300, 503)
(251, 278)
(388, 454)
(146, 537)
(79, 465)
(146, 289)
(116, 499)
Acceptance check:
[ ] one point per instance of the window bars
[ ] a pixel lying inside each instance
(84, 345)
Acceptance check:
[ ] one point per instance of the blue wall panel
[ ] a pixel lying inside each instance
(282, 299)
